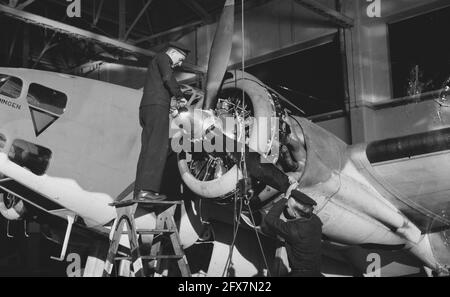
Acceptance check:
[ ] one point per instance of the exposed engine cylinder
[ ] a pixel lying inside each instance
(216, 176)
(11, 207)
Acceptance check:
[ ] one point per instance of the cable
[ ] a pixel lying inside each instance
(242, 162)
(259, 241)
(235, 228)
(243, 165)
(296, 121)
(236, 223)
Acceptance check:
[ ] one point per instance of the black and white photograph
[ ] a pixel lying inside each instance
(225, 144)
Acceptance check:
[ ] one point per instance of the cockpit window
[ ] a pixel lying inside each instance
(10, 86)
(47, 99)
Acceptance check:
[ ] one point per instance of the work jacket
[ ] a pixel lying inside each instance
(160, 83)
(303, 238)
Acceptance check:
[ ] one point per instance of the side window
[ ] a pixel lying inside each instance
(29, 155)
(47, 99)
(2, 141)
(10, 86)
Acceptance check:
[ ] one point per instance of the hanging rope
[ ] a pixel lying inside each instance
(243, 164)
(244, 135)
(236, 223)
(243, 91)
(259, 241)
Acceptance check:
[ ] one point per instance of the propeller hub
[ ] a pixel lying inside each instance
(197, 122)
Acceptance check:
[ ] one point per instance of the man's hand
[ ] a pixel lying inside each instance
(175, 106)
(181, 102)
(293, 186)
(173, 111)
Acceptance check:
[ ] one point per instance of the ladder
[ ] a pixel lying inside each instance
(165, 226)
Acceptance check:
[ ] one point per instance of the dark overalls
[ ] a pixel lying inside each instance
(160, 86)
(303, 240)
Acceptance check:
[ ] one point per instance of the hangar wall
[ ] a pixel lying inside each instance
(272, 30)
(369, 69)
(282, 27)
(271, 27)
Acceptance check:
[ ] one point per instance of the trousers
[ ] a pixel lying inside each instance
(154, 120)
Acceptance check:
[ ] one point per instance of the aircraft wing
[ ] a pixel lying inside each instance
(413, 173)
(41, 204)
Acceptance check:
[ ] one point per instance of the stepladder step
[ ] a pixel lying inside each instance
(138, 258)
(128, 258)
(143, 203)
(150, 231)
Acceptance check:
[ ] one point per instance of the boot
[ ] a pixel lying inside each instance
(150, 196)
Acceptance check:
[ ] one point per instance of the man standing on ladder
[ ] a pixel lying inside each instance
(160, 86)
(302, 232)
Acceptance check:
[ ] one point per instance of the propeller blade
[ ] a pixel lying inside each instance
(220, 54)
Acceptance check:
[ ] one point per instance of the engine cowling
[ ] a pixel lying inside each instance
(440, 243)
(224, 175)
(11, 207)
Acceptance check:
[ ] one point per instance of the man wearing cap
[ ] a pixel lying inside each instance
(302, 232)
(160, 86)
